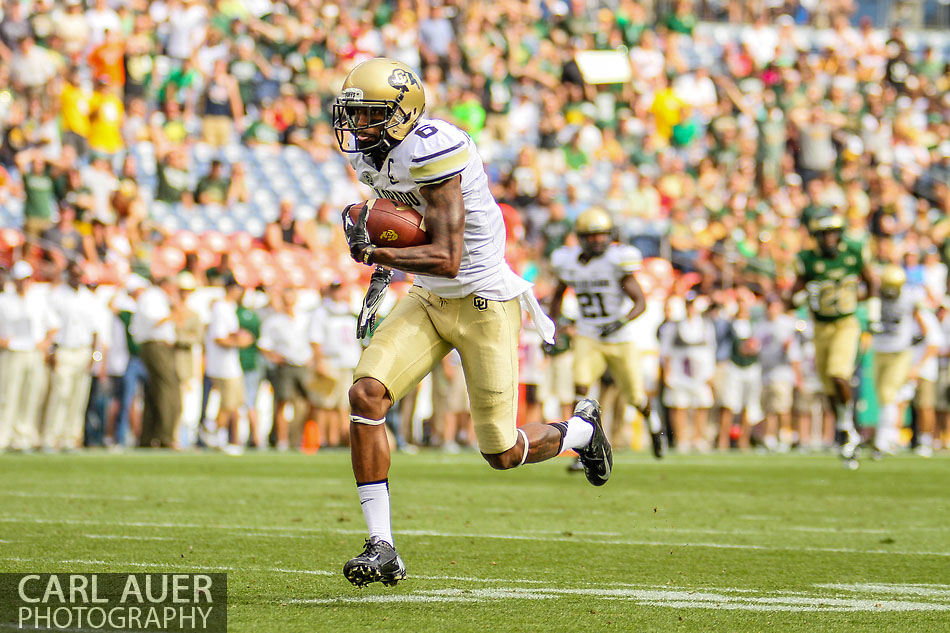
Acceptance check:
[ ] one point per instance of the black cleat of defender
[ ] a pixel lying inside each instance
(379, 562)
(597, 457)
(659, 444)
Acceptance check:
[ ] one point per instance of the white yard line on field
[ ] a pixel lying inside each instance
(116, 563)
(276, 570)
(707, 598)
(727, 598)
(927, 590)
(74, 495)
(269, 531)
(129, 537)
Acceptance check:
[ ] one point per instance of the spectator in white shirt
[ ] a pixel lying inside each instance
(79, 316)
(100, 19)
(337, 352)
(153, 327)
(223, 364)
(27, 328)
(282, 343)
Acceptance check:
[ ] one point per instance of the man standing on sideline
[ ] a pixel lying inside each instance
(27, 329)
(80, 319)
(223, 364)
(283, 341)
(781, 372)
(336, 351)
(250, 321)
(153, 327)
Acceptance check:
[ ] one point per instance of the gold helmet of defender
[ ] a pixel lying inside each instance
(594, 228)
(378, 92)
(892, 280)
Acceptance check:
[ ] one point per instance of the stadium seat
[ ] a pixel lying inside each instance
(214, 241)
(255, 226)
(11, 238)
(241, 242)
(185, 240)
(258, 258)
(167, 260)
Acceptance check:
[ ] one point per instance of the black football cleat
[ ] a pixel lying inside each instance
(597, 457)
(659, 444)
(379, 562)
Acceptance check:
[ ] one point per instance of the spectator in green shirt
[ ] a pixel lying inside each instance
(174, 178)
(213, 188)
(38, 187)
(683, 20)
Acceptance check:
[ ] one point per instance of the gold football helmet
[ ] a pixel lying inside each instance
(594, 229)
(593, 220)
(892, 280)
(378, 92)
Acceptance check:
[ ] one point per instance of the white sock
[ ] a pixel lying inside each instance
(887, 423)
(844, 417)
(579, 432)
(374, 499)
(925, 439)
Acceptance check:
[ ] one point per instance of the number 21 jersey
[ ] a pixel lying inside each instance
(597, 284)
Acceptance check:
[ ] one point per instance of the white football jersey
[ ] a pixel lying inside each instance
(897, 324)
(435, 151)
(596, 283)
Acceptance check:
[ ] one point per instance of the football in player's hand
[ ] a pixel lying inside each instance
(391, 224)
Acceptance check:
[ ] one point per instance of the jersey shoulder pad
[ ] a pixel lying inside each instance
(441, 151)
(625, 257)
(562, 257)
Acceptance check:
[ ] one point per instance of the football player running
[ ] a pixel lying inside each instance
(893, 337)
(603, 276)
(465, 297)
(830, 275)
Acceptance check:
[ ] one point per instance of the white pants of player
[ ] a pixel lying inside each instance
(743, 392)
(23, 382)
(68, 396)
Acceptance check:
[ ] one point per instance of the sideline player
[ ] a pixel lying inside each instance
(465, 297)
(602, 274)
(831, 274)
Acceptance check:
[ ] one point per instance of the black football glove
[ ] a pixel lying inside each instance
(609, 328)
(378, 284)
(357, 236)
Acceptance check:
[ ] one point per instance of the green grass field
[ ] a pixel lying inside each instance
(692, 543)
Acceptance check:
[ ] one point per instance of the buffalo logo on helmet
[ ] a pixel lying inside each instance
(402, 79)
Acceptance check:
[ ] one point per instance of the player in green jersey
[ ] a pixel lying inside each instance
(830, 276)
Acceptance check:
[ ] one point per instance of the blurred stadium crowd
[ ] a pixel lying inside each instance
(169, 176)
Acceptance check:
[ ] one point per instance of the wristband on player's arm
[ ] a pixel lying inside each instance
(366, 254)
